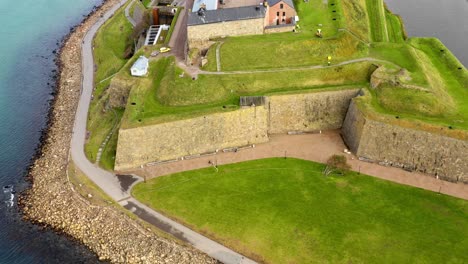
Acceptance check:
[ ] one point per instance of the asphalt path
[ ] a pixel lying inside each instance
(118, 186)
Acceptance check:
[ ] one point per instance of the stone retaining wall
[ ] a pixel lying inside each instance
(137, 146)
(309, 112)
(281, 114)
(406, 148)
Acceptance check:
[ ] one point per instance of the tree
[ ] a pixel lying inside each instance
(336, 164)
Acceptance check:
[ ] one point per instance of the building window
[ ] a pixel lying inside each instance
(277, 13)
(281, 6)
(284, 13)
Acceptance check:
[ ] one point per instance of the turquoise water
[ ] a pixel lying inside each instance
(30, 31)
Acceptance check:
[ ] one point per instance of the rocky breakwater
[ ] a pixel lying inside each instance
(52, 202)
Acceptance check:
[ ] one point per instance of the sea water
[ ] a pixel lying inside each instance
(443, 19)
(29, 33)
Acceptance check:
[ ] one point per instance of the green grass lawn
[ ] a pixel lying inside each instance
(164, 95)
(282, 50)
(285, 211)
(146, 2)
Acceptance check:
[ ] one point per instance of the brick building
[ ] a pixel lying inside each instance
(211, 19)
(281, 12)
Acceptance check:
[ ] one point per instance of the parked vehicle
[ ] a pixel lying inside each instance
(164, 49)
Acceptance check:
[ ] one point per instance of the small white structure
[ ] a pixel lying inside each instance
(140, 67)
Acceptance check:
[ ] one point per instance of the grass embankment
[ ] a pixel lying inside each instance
(285, 211)
(377, 20)
(444, 101)
(110, 44)
(396, 31)
(172, 97)
(356, 20)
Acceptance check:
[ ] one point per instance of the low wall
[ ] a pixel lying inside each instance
(280, 28)
(407, 148)
(309, 112)
(172, 140)
(199, 35)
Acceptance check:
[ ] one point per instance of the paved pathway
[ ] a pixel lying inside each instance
(218, 57)
(127, 14)
(118, 188)
(314, 147)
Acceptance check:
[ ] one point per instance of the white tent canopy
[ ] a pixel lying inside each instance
(140, 67)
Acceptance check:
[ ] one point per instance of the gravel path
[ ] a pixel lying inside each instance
(314, 147)
(128, 16)
(114, 186)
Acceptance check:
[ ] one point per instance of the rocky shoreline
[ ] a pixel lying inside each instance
(52, 202)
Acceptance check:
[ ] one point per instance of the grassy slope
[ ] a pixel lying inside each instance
(377, 20)
(109, 47)
(285, 211)
(172, 97)
(356, 18)
(445, 103)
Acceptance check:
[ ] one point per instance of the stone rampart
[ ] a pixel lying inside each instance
(309, 112)
(406, 148)
(166, 141)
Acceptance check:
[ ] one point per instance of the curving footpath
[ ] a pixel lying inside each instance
(117, 187)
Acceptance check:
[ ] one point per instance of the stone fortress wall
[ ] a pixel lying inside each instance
(166, 141)
(371, 140)
(406, 148)
(309, 112)
(246, 126)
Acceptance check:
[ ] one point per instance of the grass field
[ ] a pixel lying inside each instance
(285, 211)
(285, 50)
(172, 97)
(289, 49)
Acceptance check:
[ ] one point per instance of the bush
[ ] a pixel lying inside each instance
(336, 164)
